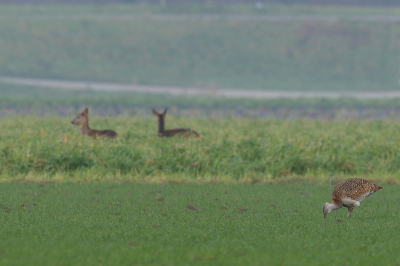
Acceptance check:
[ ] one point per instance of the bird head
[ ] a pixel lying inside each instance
(326, 209)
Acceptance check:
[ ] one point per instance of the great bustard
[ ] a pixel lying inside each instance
(349, 193)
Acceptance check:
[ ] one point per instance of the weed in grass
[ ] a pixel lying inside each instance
(190, 207)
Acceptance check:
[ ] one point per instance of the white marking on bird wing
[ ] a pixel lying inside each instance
(348, 202)
(366, 195)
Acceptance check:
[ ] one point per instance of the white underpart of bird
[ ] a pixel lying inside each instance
(349, 193)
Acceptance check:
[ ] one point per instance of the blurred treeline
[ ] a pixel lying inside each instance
(165, 2)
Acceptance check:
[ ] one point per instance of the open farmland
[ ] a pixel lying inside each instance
(250, 190)
(151, 224)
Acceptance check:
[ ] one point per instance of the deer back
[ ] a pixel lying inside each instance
(179, 131)
(103, 133)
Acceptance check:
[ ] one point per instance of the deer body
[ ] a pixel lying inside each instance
(82, 120)
(171, 132)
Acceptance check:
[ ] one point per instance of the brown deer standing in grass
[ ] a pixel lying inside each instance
(82, 120)
(171, 132)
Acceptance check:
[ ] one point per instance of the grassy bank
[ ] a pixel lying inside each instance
(122, 224)
(228, 150)
(267, 55)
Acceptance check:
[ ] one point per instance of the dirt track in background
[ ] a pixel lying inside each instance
(238, 93)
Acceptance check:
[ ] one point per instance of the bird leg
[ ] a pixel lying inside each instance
(350, 210)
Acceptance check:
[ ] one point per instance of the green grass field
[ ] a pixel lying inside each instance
(144, 224)
(228, 150)
(267, 55)
(248, 191)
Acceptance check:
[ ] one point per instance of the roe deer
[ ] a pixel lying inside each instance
(171, 132)
(82, 120)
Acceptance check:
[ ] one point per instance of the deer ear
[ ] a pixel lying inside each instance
(155, 112)
(86, 111)
(165, 112)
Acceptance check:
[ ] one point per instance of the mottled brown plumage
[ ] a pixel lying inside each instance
(171, 132)
(349, 193)
(82, 120)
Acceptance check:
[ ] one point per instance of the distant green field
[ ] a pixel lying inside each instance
(267, 55)
(228, 150)
(139, 224)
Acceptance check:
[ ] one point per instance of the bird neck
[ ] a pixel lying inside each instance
(333, 207)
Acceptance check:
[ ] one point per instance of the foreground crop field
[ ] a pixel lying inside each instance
(153, 224)
(228, 150)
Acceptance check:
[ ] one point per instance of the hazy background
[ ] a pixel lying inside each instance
(283, 46)
(162, 2)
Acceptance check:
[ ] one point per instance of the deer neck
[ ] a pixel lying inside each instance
(85, 127)
(161, 125)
